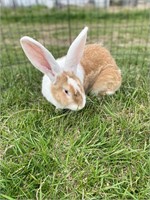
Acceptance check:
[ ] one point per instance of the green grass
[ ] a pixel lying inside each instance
(45, 15)
(100, 152)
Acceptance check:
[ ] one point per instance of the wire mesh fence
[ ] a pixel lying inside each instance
(122, 26)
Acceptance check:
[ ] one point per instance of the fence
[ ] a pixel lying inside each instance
(123, 28)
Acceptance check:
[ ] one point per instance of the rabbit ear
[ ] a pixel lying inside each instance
(40, 57)
(75, 51)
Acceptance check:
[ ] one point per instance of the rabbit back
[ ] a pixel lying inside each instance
(102, 75)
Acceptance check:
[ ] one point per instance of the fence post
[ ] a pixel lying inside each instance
(69, 21)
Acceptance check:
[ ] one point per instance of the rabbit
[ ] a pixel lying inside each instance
(67, 80)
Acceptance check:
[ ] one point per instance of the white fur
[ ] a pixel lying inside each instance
(46, 91)
(75, 107)
(79, 72)
(34, 50)
(61, 62)
(75, 51)
(110, 92)
(47, 83)
(73, 83)
(84, 100)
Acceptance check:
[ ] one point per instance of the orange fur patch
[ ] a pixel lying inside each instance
(62, 82)
(96, 59)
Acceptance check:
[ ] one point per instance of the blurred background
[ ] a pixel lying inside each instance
(123, 26)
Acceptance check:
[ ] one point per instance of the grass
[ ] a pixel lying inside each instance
(100, 152)
(43, 14)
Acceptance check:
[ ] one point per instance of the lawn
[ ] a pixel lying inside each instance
(100, 152)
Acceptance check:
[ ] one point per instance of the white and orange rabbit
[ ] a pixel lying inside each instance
(85, 68)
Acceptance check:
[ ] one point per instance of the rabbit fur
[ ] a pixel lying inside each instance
(67, 80)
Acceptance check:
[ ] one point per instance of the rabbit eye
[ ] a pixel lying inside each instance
(66, 91)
